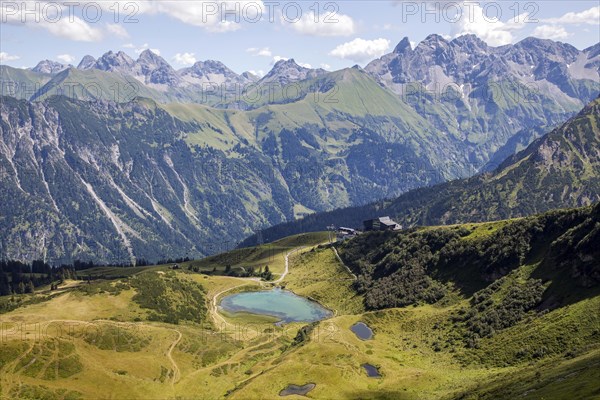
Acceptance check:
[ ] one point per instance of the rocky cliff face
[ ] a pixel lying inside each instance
(288, 71)
(115, 182)
(494, 96)
(48, 67)
(467, 60)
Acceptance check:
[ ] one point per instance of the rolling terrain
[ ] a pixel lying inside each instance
(501, 309)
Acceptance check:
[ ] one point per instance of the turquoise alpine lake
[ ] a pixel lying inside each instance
(282, 304)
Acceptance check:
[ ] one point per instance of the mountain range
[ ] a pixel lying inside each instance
(560, 169)
(120, 158)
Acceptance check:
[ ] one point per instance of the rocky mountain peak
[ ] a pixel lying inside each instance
(87, 62)
(250, 76)
(119, 61)
(470, 42)
(283, 65)
(403, 46)
(48, 67)
(286, 71)
(212, 67)
(149, 57)
(546, 48)
(434, 40)
(468, 59)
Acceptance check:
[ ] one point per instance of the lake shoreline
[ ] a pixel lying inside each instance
(282, 320)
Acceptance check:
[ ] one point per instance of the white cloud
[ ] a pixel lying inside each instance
(361, 49)
(326, 24)
(550, 32)
(264, 52)
(7, 57)
(278, 58)
(260, 73)
(305, 65)
(38, 15)
(326, 66)
(128, 46)
(184, 58)
(145, 47)
(210, 15)
(77, 30)
(66, 58)
(590, 17)
(492, 31)
(117, 30)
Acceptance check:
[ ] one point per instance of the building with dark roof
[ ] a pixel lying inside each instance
(381, 224)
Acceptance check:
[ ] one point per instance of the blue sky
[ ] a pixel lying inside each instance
(340, 34)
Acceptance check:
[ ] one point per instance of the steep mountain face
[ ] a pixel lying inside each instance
(336, 139)
(214, 72)
(149, 68)
(112, 62)
(112, 182)
(469, 60)
(156, 70)
(487, 95)
(285, 72)
(87, 62)
(48, 67)
(561, 169)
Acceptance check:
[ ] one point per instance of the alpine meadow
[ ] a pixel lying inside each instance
(255, 200)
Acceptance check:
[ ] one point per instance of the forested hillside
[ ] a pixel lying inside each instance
(508, 269)
(561, 169)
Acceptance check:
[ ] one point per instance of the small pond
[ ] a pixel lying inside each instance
(372, 371)
(297, 390)
(361, 330)
(278, 303)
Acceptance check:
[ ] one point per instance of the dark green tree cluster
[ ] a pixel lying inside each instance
(20, 278)
(486, 316)
(397, 269)
(169, 298)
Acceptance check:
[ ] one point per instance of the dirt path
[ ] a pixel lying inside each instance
(176, 371)
(287, 263)
(342, 262)
(169, 354)
(214, 308)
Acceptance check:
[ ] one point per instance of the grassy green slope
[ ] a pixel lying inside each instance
(148, 335)
(21, 83)
(94, 84)
(272, 254)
